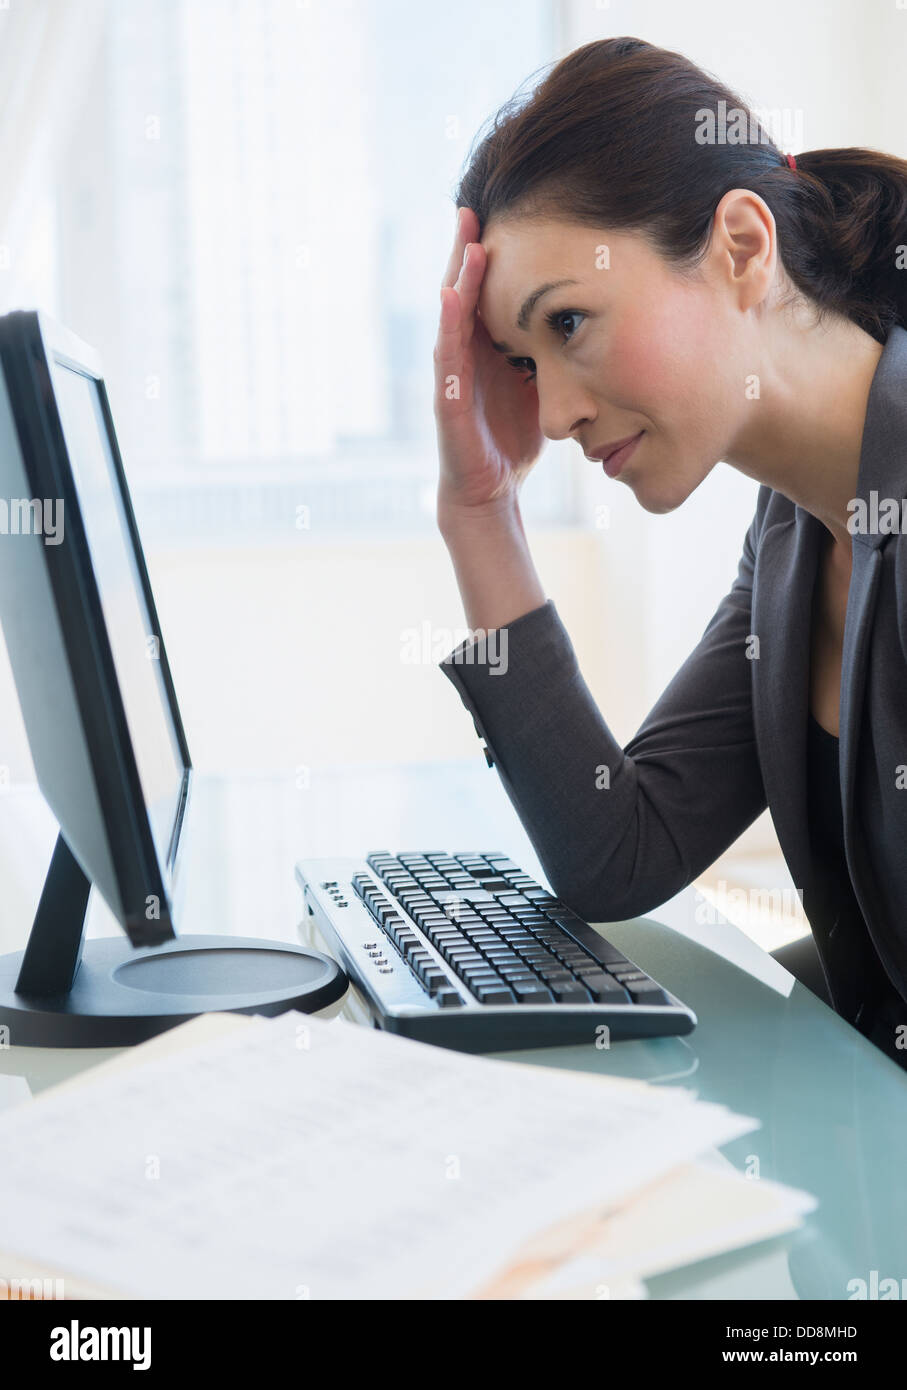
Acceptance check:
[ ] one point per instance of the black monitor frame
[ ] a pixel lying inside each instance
(29, 342)
(63, 991)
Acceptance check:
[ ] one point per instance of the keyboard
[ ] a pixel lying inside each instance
(468, 952)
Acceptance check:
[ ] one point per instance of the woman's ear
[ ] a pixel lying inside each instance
(744, 245)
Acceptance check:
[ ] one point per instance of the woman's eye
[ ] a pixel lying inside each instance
(559, 317)
(558, 320)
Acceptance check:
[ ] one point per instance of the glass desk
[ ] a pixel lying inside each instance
(833, 1108)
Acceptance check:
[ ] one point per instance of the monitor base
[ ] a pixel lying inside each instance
(121, 996)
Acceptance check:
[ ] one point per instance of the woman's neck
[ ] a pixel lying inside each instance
(804, 434)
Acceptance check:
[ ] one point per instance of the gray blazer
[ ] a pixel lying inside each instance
(728, 735)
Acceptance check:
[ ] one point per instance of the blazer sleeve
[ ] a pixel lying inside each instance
(621, 830)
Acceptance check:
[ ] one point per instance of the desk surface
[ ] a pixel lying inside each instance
(833, 1108)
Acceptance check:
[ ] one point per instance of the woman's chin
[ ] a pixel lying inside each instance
(657, 500)
(662, 495)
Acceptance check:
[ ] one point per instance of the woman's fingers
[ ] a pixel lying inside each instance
(467, 229)
(457, 317)
(468, 284)
(456, 253)
(448, 353)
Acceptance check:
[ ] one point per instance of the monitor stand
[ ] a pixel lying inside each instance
(63, 991)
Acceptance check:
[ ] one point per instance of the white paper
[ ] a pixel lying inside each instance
(698, 1210)
(14, 1090)
(295, 1158)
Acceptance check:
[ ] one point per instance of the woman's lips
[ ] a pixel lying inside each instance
(615, 463)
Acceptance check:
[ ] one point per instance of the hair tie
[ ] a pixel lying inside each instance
(791, 160)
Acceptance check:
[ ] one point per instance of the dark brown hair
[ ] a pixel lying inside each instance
(611, 137)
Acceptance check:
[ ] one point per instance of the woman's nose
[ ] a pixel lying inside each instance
(563, 416)
(564, 408)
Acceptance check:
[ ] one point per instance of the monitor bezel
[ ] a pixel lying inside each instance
(29, 343)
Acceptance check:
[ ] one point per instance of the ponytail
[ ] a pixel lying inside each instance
(845, 235)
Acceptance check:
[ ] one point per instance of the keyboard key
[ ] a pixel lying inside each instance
(493, 994)
(610, 957)
(576, 962)
(553, 975)
(604, 989)
(448, 998)
(531, 992)
(647, 992)
(569, 991)
(461, 961)
(535, 961)
(461, 955)
(464, 895)
(483, 972)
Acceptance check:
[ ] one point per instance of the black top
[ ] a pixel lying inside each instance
(872, 1005)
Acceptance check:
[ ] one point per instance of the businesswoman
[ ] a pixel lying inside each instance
(637, 267)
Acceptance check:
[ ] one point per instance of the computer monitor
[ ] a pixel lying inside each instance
(104, 727)
(82, 631)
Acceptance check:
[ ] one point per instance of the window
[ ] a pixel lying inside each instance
(247, 209)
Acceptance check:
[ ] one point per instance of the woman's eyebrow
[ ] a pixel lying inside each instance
(529, 303)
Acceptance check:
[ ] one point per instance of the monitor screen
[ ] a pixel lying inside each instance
(134, 645)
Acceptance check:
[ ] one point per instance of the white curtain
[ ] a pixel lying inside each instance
(46, 50)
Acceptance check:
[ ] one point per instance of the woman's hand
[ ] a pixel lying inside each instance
(486, 413)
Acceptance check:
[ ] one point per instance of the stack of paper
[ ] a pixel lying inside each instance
(698, 1210)
(291, 1158)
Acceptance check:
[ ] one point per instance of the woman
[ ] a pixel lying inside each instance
(624, 276)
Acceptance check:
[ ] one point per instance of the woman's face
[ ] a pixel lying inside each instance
(629, 346)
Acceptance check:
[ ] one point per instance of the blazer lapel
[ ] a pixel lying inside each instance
(881, 476)
(857, 624)
(783, 581)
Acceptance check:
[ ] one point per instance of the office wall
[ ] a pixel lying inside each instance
(328, 653)
(301, 655)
